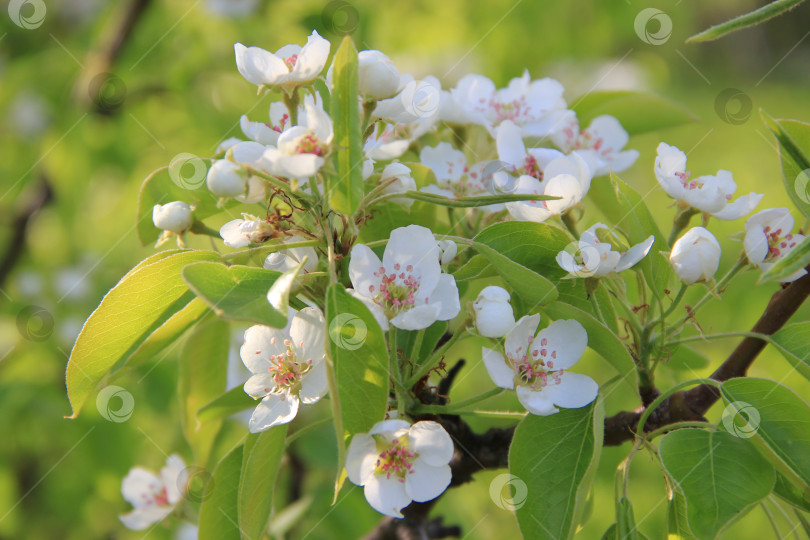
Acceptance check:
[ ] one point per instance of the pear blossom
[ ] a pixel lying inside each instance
(227, 177)
(239, 233)
(595, 257)
(287, 367)
(600, 143)
(418, 102)
(541, 171)
(227, 144)
(399, 180)
(537, 107)
(368, 168)
(301, 149)
(447, 251)
(695, 256)
(455, 178)
(494, 316)
(768, 239)
(536, 366)
(290, 66)
(153, 496)
(377, 76)
(287, 259)
(174, 217)
(397, 463)
(407, 287)
(709, 194)
(267, 133)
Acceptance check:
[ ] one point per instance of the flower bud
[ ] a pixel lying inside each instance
(174, 216)
(493, 313)
(447, 252)
(400, 180)
(226, 179)
(695, 256)
(239, 233)
(377, 76)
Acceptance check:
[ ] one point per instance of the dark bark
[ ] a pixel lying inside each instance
(18, 226)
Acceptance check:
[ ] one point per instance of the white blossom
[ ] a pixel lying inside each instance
(153, 496)
(397, 463)
(377, 76)
(768, 239)
(594, 257)
(290, 66)
(601, 143)
(174, 217)
(494, 316)
(695, 256)
(287, 259)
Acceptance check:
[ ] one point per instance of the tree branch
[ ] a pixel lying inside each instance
(693, 404)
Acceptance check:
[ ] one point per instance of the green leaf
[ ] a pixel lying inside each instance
(260, 463)
(534, 245)
(473, 202)
(793, 341)
(796, 259)
(231, 402)
(794, 152)
(790, 492)
(677, 520)
(159, 188)
(138, 305)
(637, 112)
(406, 339)
(202, 371)
(554, 457)
(682, 358)
(357, 348)
(720, 475)
(784, 422)
(626, 210)
(600, 338)
(752, 18)
(219, 511)
(533, 288)
(421, 174)
(625, 521)
(237, 293)
(346, 187)
(168, 335)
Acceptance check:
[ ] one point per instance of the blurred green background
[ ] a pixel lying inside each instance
(173, 87)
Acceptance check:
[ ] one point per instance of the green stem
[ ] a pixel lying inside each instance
(393, 368)
(677, 425)
(741, 264)
(706, 337)
(330, 250)
(677, 300)
(456, 407)
(660, 399)
(598, 309)
(772, 520)
(425, 368)
(417, 347)
(291, 101)
(570, 223)
(680, 222)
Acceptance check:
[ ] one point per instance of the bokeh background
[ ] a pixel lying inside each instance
(100, 93)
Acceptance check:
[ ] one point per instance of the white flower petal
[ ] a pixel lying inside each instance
(568, 338)
(635, 254)
(536, 402)
(363, 263)
(261, 342)
(426, 482)
(417, 318)
(519, 339)
(142, 518)
(312, 58)
(259, 385)
(431, 442)
(258, 65)
(739, 208)
(307, 334)
(273, 410)
(361, 458)
(573, 391)
(445, 294)
(137, 482)
(386, 495)
(499, 371)
(314, 385)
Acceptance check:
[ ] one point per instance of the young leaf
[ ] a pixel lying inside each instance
(236, 293)
(477, 267)
(720, 475)
(790, 492)
(219, 511)
(345, 189)
(793, 341)
(794, 152)
(357, 348)
(796, 259)
(553, 457)
(473, 202)
(260, 463)
(677, 520)
(766, 12)
(140, 303)
(782, 425)
(533, 288)
(625, 521)
(202, 371)
(600, 339)
(231, 402)
(637, 112)
(626, 210)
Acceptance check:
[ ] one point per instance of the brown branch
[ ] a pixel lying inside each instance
(693, 404)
